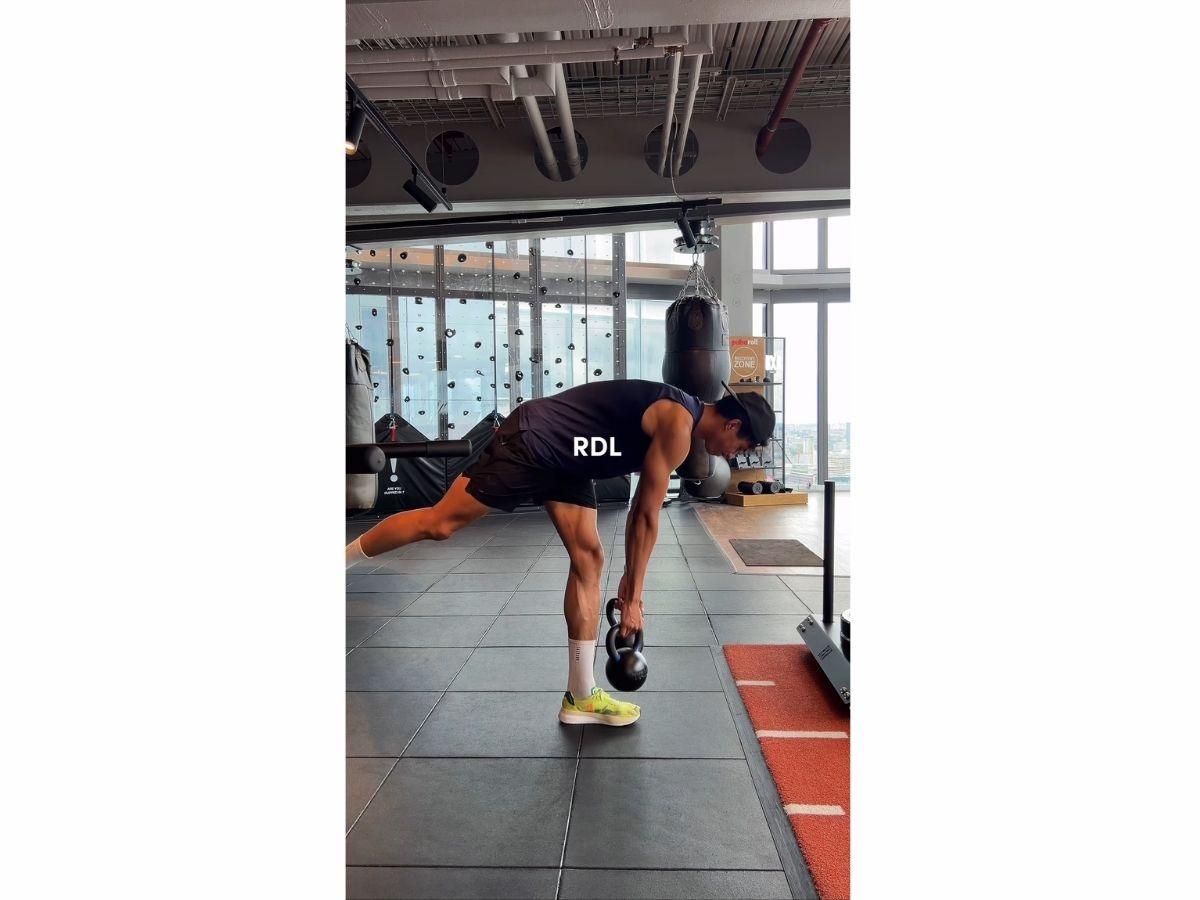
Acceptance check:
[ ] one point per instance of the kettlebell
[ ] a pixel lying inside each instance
(626, 668)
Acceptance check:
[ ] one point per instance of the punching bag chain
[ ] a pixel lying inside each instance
(697, 284)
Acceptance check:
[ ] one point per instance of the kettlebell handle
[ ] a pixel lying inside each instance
(610, 639)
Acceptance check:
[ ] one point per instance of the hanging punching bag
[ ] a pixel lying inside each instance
(360, 423)
(697, 354)
(697, 360)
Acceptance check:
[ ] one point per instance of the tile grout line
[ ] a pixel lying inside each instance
(570, 808)
(441, 696)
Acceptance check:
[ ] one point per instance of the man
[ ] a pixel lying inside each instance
(549, 450)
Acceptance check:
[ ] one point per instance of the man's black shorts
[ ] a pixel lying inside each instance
(506, 475)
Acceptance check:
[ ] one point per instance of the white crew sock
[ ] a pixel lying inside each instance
(354, 553)
(580, 679)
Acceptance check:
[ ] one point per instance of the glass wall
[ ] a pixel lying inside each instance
(476, 328)
(759, 238)
(647, 337)
(797, 323)
(367, 321)
(840, 368)
(839, 243)
(654, 246)
(794, 244)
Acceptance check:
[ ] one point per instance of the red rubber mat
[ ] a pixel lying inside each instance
(810, 761)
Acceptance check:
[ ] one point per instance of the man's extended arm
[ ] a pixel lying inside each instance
(669, 444)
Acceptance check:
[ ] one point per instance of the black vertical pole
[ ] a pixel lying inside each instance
(827, 581)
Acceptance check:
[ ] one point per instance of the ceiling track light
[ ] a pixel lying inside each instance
(417, 192)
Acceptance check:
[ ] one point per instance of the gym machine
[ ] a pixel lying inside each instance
(823, 640)
(368, 459)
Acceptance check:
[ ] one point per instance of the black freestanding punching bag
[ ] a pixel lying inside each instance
(697, 361)
(360, 423)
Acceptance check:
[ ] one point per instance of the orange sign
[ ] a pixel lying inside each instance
(749, 363)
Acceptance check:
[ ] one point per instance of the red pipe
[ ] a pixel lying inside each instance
(767, 133)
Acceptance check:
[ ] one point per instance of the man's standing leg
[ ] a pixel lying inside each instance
(583, 701)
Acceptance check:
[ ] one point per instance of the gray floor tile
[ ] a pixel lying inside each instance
(805, 582)
(527, 631)
(459, 584)
(688, 725)
(668, 581)
(491, 724)
(709, 564)
(705, 815)
(646, 884)
(467, 812)
(753, 603)
(678, 631)
(667, 565)
(403, 668)
(672, 603)
(381, 723)
(760, 629)
(552, 564)
(411, 882)
(431, 631)
(483, 603)
(466, 538)
(487, 551)
(435, 550)
(700, 551)
(545, 581)
(514, 669)
(376, 584)
(535, 603)
(363, 777)
(407, 566)
(513, 565)
(378, 604)
(715, 581)
(661, 551)
(359, 629)
(511, 539)
(555, 550)
(671, 669)
(816, 601)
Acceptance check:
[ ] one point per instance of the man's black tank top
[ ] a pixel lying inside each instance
(580, 431)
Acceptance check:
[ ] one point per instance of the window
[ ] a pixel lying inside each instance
(794, 244)
(797, 324)
(758, 315)
(657, 246)
(839, 393)
(839, 243)
(759, 231)
(646, 322)
(366, 317)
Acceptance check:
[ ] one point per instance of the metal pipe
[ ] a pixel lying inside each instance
(767, 133)
(534, 114)
(827, 575)
(496, 52)
(681, 139)
(672, 90)
(521, 88)
(563, 105)
(432, 78)
(592, 56)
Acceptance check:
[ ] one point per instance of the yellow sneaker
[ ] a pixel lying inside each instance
(598, 709)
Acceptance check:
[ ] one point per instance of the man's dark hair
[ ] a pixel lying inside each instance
(729, 407)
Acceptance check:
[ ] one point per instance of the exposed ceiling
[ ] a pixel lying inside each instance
(748, 65)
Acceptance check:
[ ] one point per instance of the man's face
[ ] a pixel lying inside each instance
(727, 443)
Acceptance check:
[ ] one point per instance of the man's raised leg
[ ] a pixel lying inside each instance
(432, 523)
